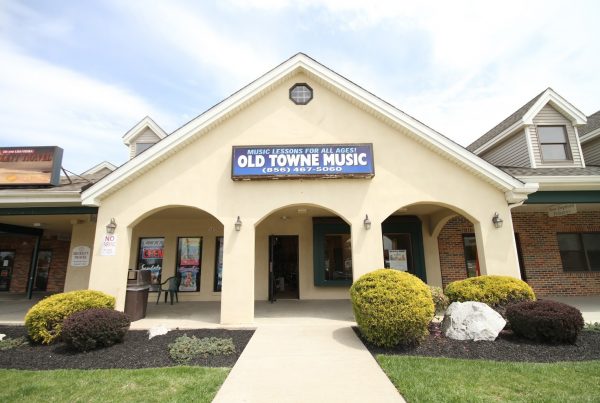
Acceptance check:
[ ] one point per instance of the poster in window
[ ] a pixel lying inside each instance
(189, 251)
(151, 258)
(398, 259)
(219, 265)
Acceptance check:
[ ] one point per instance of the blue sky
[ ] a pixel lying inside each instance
(79, 74)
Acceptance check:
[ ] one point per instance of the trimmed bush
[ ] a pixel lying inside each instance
(392, 307)
(496, 291)
(44, 320)
(10, 343)
(440, 300)
(94, 328)
(545, 321)
(185, 348)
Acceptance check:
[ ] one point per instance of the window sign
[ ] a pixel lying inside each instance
(219, 265)
(398, 259)
(189, 251)
(151, 258)
(302, 161)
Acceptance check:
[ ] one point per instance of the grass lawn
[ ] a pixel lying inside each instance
(196, 384)
(424, 379)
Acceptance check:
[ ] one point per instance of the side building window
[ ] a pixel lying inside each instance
(554, 145)
(218, 265)
(471, 260)
(579, 251)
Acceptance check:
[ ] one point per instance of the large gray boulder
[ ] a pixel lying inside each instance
(472, 321)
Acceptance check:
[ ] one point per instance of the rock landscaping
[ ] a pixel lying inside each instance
(136, 351)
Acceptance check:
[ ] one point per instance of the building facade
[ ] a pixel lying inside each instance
(302, 181)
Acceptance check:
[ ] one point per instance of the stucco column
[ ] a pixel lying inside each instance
(237, 294)
(109, 273)
(496, 248)
(78, 278)
(367, 246)
(432, 256)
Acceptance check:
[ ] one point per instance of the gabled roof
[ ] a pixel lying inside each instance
(591, 129)
(514, 189)
(524, 116)
(99, 167)
(140, 127)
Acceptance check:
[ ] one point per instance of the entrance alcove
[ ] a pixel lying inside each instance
(434, 241)
(184, 242)
(303, 251)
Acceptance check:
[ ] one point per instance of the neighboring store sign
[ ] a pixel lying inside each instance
(398, 259)
(30, 165)
(301, 161)
(80, 256)
(562, 209)
(109, 245)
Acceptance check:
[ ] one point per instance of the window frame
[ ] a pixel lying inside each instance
(141, 143)
(219, 246)
(323, 226)
(464, 249)
(312, 93)
(566, 144)
(588, 266)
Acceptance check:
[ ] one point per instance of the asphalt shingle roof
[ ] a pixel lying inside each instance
(505, 124)
(593, 123)
(575, 171)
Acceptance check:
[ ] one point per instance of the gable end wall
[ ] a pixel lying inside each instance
(591, 151)
(512, 152)
(147, 136)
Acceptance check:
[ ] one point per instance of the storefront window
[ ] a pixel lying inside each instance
(150, 258)
(397, 252)
(338, 257)
(219, 264)
(189, 252)
(471, 261)
(332, 252)
(7, 258)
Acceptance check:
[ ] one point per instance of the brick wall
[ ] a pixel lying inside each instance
(541, 256)
(452, 254)
(23, 246)
(539, 245)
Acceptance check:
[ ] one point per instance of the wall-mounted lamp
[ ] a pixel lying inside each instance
(497, 220)
(238, 224)
(367, 222)
(111, 226)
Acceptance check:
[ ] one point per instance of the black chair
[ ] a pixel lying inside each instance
(170, 287)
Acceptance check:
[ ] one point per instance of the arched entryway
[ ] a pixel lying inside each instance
(303, 251)
(184, 243)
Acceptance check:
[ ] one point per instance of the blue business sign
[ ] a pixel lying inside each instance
(301, 161)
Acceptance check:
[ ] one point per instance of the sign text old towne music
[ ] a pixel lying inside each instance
(30, 166)
(302, 161)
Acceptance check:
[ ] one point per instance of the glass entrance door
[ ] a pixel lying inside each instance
(283, 267)
(7, 259)
(403, 245)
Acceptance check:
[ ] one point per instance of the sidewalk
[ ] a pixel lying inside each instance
(306, 363)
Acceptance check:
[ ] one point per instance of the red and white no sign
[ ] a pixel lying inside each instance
(109, 245)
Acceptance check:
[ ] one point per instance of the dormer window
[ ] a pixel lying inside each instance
(553, 143)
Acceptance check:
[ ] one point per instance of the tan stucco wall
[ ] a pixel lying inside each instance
(78, 277)
(199, 175)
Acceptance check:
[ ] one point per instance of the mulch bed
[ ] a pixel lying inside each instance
(507, 347)
(135, 352)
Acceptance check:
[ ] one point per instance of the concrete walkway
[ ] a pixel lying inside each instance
(306, 363)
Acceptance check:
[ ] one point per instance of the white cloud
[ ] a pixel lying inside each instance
(44, 104)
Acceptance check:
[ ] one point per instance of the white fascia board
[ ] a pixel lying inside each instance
(99, 167)
(590, 182)
(19, 196)
(138, 128)
(589, 136)
(549, 96)
(154, 154)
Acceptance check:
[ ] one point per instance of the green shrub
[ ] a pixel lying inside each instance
(496, 291)
(94, 328)
(10, 343)
(440, 300)
(592, 327)
(44, 320)
(392, 307)
(545, 321)
(185, 348)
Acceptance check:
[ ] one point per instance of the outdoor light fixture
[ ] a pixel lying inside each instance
(238, 224)
(367, 222)
(111, 226)
(497, 220)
